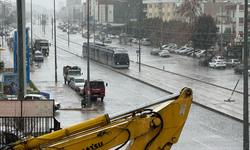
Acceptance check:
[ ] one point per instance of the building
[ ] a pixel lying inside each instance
(164, 9)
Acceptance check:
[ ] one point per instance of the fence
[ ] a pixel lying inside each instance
(16, 128)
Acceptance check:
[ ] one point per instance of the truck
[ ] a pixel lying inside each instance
(136, 128)
(42, 45)
(69, 72)
(96, 89)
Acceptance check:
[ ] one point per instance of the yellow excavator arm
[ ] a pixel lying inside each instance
(138, 129)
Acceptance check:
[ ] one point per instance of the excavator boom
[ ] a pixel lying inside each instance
(140, 128)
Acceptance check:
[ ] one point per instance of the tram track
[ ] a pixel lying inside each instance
(73, 50)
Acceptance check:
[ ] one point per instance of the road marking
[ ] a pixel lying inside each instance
(146, 97)
(239, 140)
(108, 91)
(207, 126)
(201, 143)
(128, 88)
(134, 91)
(119, 98)
(124, 86)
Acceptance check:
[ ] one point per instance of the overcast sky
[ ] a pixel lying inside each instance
(45, 3)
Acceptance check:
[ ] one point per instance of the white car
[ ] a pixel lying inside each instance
(164, 53)
(77, 82)
(217, 64)
(233, 62)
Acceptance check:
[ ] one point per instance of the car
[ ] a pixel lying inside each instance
(135, 40)
(76, 83)
(145, 41)
(240, 69)
(64, 30)
(218, 58)
(107, 40)
(98, 37)
(249, 72)
(217, 64)
(232, 62)
(164, 53)
(40, 97)
(86, 35)
(38, 56)
(111, 36)
(155, 51)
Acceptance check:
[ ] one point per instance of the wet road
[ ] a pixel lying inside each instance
(203, 129)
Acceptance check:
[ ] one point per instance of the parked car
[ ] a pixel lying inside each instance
(218, 58)
(77, 82)
(232, 62)
(155, 51)
(240, 68)
(164, 53)
(217, 64)
(57, 105)
(38, 56)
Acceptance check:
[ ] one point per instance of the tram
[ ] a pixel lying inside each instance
(115, 57)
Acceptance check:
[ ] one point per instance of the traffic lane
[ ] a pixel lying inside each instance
(205, 129)
(120, 91)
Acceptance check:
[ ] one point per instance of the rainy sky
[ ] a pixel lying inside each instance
(45, 3)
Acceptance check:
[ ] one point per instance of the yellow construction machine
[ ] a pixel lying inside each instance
(139, 128)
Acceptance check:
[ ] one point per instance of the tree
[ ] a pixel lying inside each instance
(204, 32)
(191, 9)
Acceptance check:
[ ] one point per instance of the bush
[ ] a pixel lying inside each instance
(1, 65)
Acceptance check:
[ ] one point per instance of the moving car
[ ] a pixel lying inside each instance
(155, 51)
(38, 56)
(240, 69)
(164, 53)
(217, 64)
(145, 41)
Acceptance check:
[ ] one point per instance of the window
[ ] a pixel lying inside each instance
(168, 13)
(150, 15)
(150, 6)
(168, 5)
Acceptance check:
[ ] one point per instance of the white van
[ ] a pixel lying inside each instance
(145, 41)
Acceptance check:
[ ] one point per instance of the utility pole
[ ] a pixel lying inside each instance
(31, 32)
(88, 94)
(140, 47)
(68, 32)
(21, 46)
(52, 27)
(245, 76)
(55, 42)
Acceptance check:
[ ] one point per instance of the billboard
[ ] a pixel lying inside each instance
(10, 84)
(26, 108)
